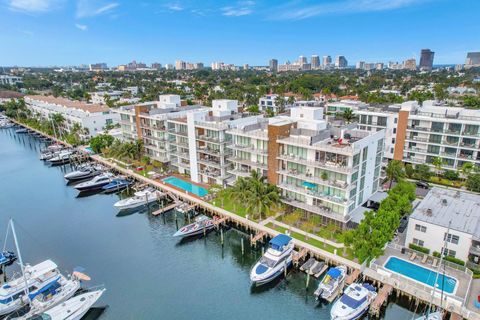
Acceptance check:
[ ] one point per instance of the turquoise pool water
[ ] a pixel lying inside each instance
(421, 274)
(187, 186)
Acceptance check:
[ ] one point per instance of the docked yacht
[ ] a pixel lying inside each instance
(354, 302)
(331, 283)
(21, 130)
(116, 185)
(72, 309)
(83, 172)
(274, 261)
(63, 157)
(40, 278)
(96, 183)
(140, 198)
(202, 224)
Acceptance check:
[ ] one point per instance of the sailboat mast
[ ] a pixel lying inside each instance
(27, 292)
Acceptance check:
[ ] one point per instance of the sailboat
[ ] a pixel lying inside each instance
(437, 315)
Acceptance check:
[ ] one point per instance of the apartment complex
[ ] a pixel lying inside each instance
(270, 102)
(91, 117)
(325, 171)
(451, 216)
(419, 134)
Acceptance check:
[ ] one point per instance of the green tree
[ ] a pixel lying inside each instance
(438, 163)
(409, 170)
(473, 182)
(348, 115)
(394, 171)
(466, 169)
(100, 142)
(422, 172)
(440, 92)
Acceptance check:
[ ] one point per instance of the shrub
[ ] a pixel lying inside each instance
(450, 175)
(450, 259)
(419, 248)
(409, 171)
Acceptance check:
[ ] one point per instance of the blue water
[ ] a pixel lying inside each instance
(187, 186)
(420, 274)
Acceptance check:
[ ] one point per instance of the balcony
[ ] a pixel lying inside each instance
(247, 148)
(475, 250)
(310, 178)
(212, 163)
(211, 139)
(328, 165)
(249, 163)
(210, 151)
(321, 210)
(240, 173)
(316, 194)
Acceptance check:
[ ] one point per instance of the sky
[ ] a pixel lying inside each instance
(72, 32)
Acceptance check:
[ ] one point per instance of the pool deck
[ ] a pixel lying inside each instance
(179, 176)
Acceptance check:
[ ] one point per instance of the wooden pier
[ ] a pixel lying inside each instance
(352, 277)
(219, 221)
(257, 237)
(380, 299)
(299, 256)
(165, 209)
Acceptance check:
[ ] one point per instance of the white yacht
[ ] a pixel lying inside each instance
(139, 199)
(273, 263)
(73, 309)
(40, 278)
(96, 183)
(83, 172)
(63, 157)
(354, 302)
(332, 281)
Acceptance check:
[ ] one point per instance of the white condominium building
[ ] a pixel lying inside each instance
(92, 117)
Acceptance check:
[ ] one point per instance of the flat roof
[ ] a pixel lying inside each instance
(442, 206)
(69, 103)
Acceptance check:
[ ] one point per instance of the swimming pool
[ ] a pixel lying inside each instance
(187, 186)
(421, 274)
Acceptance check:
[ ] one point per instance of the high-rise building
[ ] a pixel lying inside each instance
(327, 62)
(273, 64)
(98, 66)
(315, 62)
(156, 66)
(360, 65)
(302, 60)
(341, 62)
(410, 64)
(473, 60)
(169, 66)
(426, 59)
(379, 65)
(180, 65)
(246, 66)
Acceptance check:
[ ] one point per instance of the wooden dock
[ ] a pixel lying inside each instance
(218, 222)
(299, 256)
(380, 299)
(165, 209)
(352, 277)
(259, 236)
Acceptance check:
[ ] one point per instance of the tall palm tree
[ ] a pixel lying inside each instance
(394, 171)
(348, 115)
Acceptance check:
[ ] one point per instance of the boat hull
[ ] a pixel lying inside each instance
(272, 277)
(121, 206)
(193, 233)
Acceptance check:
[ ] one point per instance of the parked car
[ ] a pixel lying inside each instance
(403, 224)
(422, 184)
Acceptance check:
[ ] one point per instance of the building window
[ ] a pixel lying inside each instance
(420, 228)
(418, 242)
(394, 130)
(448, 252)
(395, 120)
(451, 238)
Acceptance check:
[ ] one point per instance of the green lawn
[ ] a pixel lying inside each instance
(323, 232)
(226, 202)
(445, 182)
(313, 242)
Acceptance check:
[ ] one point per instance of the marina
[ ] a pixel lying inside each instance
(107, 233)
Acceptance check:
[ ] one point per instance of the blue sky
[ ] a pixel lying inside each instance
(70, 32)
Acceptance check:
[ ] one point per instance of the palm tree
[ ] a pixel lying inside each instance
(394, 171)
(280, 102)
(348, 115)
(466, 169)
(57, 121)
(437, 163)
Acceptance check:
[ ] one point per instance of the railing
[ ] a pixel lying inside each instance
(316, 194)
(324, 211)
(332, 183)
(249, 162)
(321, 164)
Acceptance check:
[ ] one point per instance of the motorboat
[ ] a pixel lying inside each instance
(331, 283)
(275, 260)
(140, 198)
(96, 183)
(72, 309)
(116, 185)
(7, 258)
(202, 224)
(37, 280)
(63, 157)
(83, 172)
(21, 130)
(50, 296)
(354, 302)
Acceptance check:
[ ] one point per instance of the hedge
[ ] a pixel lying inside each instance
(450, 259)
(419, 248)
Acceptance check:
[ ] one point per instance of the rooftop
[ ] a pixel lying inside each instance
(69, 103)
(442, 206)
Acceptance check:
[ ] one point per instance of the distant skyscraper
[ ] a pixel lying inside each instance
(410, 64)
(426, 59)
(315, 62)
(156, 66)
(302, 60)
(473, 60)
(360, 65)
(246, 66)
(341, 62)
(273, 64)
(98, 66)
(180, 65)
(327, 61)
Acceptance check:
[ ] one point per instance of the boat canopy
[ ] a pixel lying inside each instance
(334, 273)
(369, 287)
(351, 302)
(279, 241)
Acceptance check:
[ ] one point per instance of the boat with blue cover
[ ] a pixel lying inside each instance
(7, 258)
(96, 183)
(116, 185)
(354, 302)
(331, 283)
(273, 263)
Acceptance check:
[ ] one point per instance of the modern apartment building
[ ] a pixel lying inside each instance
(340, 106)
(273, 64)
(419, 134)
(447, 215)
(426, 59)
(472, 60)
(325, 171)
(341, 62)
(269, 102)
(9, 80)
(92, 117)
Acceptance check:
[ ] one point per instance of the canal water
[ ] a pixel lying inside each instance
(148, 273)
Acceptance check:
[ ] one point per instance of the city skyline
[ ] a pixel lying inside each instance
(63, 32)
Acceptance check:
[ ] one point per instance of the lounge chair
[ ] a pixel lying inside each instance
(425, 257)
(413, 256)
(435, 263)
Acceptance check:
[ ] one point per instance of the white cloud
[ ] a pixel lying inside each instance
(33, 6)
(296, 12)
(88, 8)
(82, 27)
(243, 8)
(174, 7)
